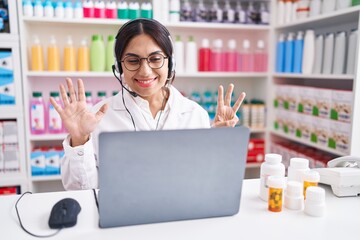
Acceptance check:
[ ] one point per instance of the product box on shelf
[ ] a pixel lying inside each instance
(37, 161)
(340, 136)
(11, 157)
(321, 131)
(322, 104)
(7, 89)
(46, 161)
(291, 122)
(52, 162)
(341, 105)
(306, 100)
(9, 190)
(256, 150)
(2, 163)
(305, 127)
(1, 133)
(10, 134)
(279, 97)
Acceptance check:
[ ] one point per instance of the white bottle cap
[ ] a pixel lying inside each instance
(232, 44)
(205, 43)
(311, 176)
(299, 163)
(260, 44)
(246, 44)
(275, 181)
(218, 43)
(273, 158)
(52, 40)
(300, 35)
(294, 198)
(315, 201)
(69, 40)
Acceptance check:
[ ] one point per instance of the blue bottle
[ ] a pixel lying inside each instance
(280, 54)
(289, 53)
(298, 52)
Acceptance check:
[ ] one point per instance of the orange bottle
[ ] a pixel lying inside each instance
(53, 56)
(37, 57)
(83, 57)
(69, 56)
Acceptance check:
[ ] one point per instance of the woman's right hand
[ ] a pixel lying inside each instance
(75, 115)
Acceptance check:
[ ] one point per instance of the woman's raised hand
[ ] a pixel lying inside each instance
(225, 114)
(76, 117)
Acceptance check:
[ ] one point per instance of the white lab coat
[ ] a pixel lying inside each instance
(79, 165)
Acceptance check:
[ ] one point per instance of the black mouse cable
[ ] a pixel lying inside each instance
(96, 200)
(22, 226)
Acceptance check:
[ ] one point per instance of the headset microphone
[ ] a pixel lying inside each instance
(134, 94)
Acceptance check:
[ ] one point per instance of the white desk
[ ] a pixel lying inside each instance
(342, 220)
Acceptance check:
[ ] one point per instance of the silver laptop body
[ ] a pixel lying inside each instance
(170, 175)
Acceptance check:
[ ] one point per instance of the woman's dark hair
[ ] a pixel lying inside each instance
(150, 27)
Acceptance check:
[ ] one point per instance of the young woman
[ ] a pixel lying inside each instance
(145, 68)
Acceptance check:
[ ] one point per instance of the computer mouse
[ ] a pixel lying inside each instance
(64, 213)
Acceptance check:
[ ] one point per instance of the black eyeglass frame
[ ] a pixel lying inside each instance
(147, 60)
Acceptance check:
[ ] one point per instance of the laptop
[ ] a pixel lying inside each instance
(170, 175)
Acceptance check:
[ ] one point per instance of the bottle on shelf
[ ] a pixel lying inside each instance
(329, 6)
(83, 57)
(289, 53)
(293, 10)
(110, 53)
(89, 100)
(200, 12)
(308, 52)
(260, 57)
(228, 13)
(146, 9)
(280, 54)
(231, 57)
(315, 8)
(351, 54)
(111, 9)
(49, 10)
(101, 95)
(205, 56)
(38, 9)
(54, 120)
(246, 57)
(288, 11)
(59, 10)
(186, 12)
(53, 56)
(240, 14)
(88, 9)
(339, 53)
(216, 13)
(280, 12)
(28, 9)
(99, 9)
(68, 10)
(37, 114)
(174, 11)
(264, 14)
(122, 10)
(328, 53)
(134, 10)
(191, 56)
(69, 55)
(217, 56)
(319, 52)
(78, 10)
(179, 54)
(97, 54)
(37, 56)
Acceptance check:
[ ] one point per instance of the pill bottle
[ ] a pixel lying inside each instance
(275, 197)
(297, 167)
(271, 167)
(315, 202)
(294, 198)
(310, 178)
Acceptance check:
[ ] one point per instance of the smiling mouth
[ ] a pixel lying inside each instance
(147, 81)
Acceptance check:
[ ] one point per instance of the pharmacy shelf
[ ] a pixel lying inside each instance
(119, 22)
(323, 20)
(62, 74)
(5, 37)
(9, 180)
(10, 112)
(46, 178)
(314, 76)
(295, 139)
(48, 137)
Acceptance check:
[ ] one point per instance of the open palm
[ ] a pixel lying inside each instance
(225, 114)
(76, 117)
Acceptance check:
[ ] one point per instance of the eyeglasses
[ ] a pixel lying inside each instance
(133, 63)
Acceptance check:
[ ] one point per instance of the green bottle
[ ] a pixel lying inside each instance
(97, 54)
(110, 53)
(355, 2)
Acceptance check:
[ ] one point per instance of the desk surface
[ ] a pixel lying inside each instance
(341, 221)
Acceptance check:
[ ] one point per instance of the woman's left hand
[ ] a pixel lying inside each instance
(225, 114)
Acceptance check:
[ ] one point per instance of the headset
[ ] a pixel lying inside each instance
(117, 64)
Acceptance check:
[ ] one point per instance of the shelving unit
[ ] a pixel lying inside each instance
(342, 20)
(10, 41)
(254, 84)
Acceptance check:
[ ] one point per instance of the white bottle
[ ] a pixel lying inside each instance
(294, 198)
(315, 8)
(179, 54)
(49, 9)
(315, 201)
(328, 53)
(288, 11)
(68, 10)
(38, 9)
(341, 4)
(319, 52)
(271, 167)
(191, 62)
(293, 10)
(59, 10)
(174, 11)
(350, 63)
(28, 9)
(328, 6)
(78, 10)
(309, 52)
(229, 13)
(296, 169)
(339, 53)
(165, 10)
(280, 12)
(264, 14)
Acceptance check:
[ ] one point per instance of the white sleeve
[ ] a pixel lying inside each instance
(79, 167)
